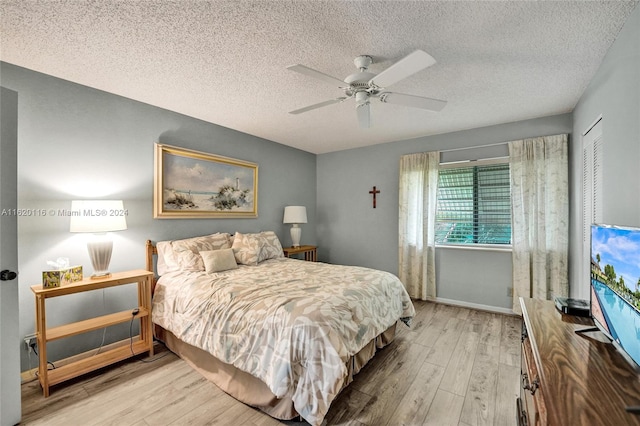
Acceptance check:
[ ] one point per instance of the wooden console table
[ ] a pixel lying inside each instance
(569, 378)
(144, 342)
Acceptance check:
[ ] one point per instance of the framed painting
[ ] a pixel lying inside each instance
(191, 184)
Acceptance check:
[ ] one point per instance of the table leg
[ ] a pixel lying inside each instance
(41, 339)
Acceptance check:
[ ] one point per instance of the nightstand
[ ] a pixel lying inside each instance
(140, 344)
(310, 252)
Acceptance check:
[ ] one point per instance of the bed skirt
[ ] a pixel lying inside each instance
(249, 389)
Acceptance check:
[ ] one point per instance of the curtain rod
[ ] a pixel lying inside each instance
(473, 147)
(492, 144)
(507, 142)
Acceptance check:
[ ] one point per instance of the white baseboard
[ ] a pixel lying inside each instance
(478, 306)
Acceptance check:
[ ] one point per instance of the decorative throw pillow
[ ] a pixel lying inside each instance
(218, 260)
(271, 247)
(183, 255)
(251, 249)
(246, 248)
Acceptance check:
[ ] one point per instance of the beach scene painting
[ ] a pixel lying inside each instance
(193, 184)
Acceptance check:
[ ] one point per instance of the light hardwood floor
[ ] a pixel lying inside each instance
(455, 366)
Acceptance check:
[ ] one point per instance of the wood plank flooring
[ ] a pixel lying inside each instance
(454, 366)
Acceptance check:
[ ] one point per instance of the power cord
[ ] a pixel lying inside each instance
(135, 312)
(29, 356)
(33, 345)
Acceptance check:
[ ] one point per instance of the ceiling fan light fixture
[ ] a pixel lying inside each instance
(362, 98)
(363, 85)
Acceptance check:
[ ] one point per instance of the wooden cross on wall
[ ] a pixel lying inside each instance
(374, 191)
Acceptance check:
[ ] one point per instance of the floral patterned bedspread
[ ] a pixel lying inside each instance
(291, 323)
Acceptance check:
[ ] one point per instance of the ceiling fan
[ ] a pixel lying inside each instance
(364, 85)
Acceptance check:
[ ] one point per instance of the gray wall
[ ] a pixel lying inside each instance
(75, 142)
(613, 93)
(350, 231)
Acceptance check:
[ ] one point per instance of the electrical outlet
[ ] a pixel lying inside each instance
(29, 340)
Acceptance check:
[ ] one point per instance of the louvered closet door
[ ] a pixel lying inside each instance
(591, 196)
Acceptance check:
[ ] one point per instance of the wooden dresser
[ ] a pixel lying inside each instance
(572, 379)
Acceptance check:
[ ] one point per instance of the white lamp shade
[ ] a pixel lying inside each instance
(97, 216)
(295, 214)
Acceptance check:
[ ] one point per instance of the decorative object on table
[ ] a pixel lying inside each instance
(192, 184)
(295, 215)
(98, 217)
(374, 191)
(61, 273)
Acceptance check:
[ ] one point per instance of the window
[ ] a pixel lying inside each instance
(474, 205)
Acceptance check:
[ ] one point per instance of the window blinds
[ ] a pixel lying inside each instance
(474, 205)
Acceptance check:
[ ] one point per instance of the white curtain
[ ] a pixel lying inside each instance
(540, 217)
(418, 196)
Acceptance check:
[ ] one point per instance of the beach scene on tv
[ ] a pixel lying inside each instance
(615, 285)
(194, 184)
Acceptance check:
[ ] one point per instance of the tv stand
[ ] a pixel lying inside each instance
(570, 380)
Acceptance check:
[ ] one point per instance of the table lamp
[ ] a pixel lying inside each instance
(295, 215)
(98, 217)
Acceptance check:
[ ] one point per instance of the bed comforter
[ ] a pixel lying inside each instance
(293, 324)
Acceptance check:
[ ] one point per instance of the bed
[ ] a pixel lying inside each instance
(282, 335)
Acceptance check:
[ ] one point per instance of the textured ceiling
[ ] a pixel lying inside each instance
(225, 61)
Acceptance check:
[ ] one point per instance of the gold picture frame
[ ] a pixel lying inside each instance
(191, 184)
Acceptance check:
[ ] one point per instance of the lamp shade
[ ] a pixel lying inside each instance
(97, 216)
(295, 214)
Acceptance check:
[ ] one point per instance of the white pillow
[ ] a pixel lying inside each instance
(218, 260)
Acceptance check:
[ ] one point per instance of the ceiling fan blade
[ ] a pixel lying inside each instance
(318, 105)
(410, 64)
(412, 101)
(317, 74)
(364, 115)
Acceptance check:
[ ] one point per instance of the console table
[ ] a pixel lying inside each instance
(130, 347)
(569, 378)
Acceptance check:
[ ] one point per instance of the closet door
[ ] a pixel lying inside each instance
(591, 196)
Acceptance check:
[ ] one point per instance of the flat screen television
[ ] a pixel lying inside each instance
(615, 287)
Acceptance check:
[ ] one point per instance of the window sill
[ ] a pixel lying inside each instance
(481, 247)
